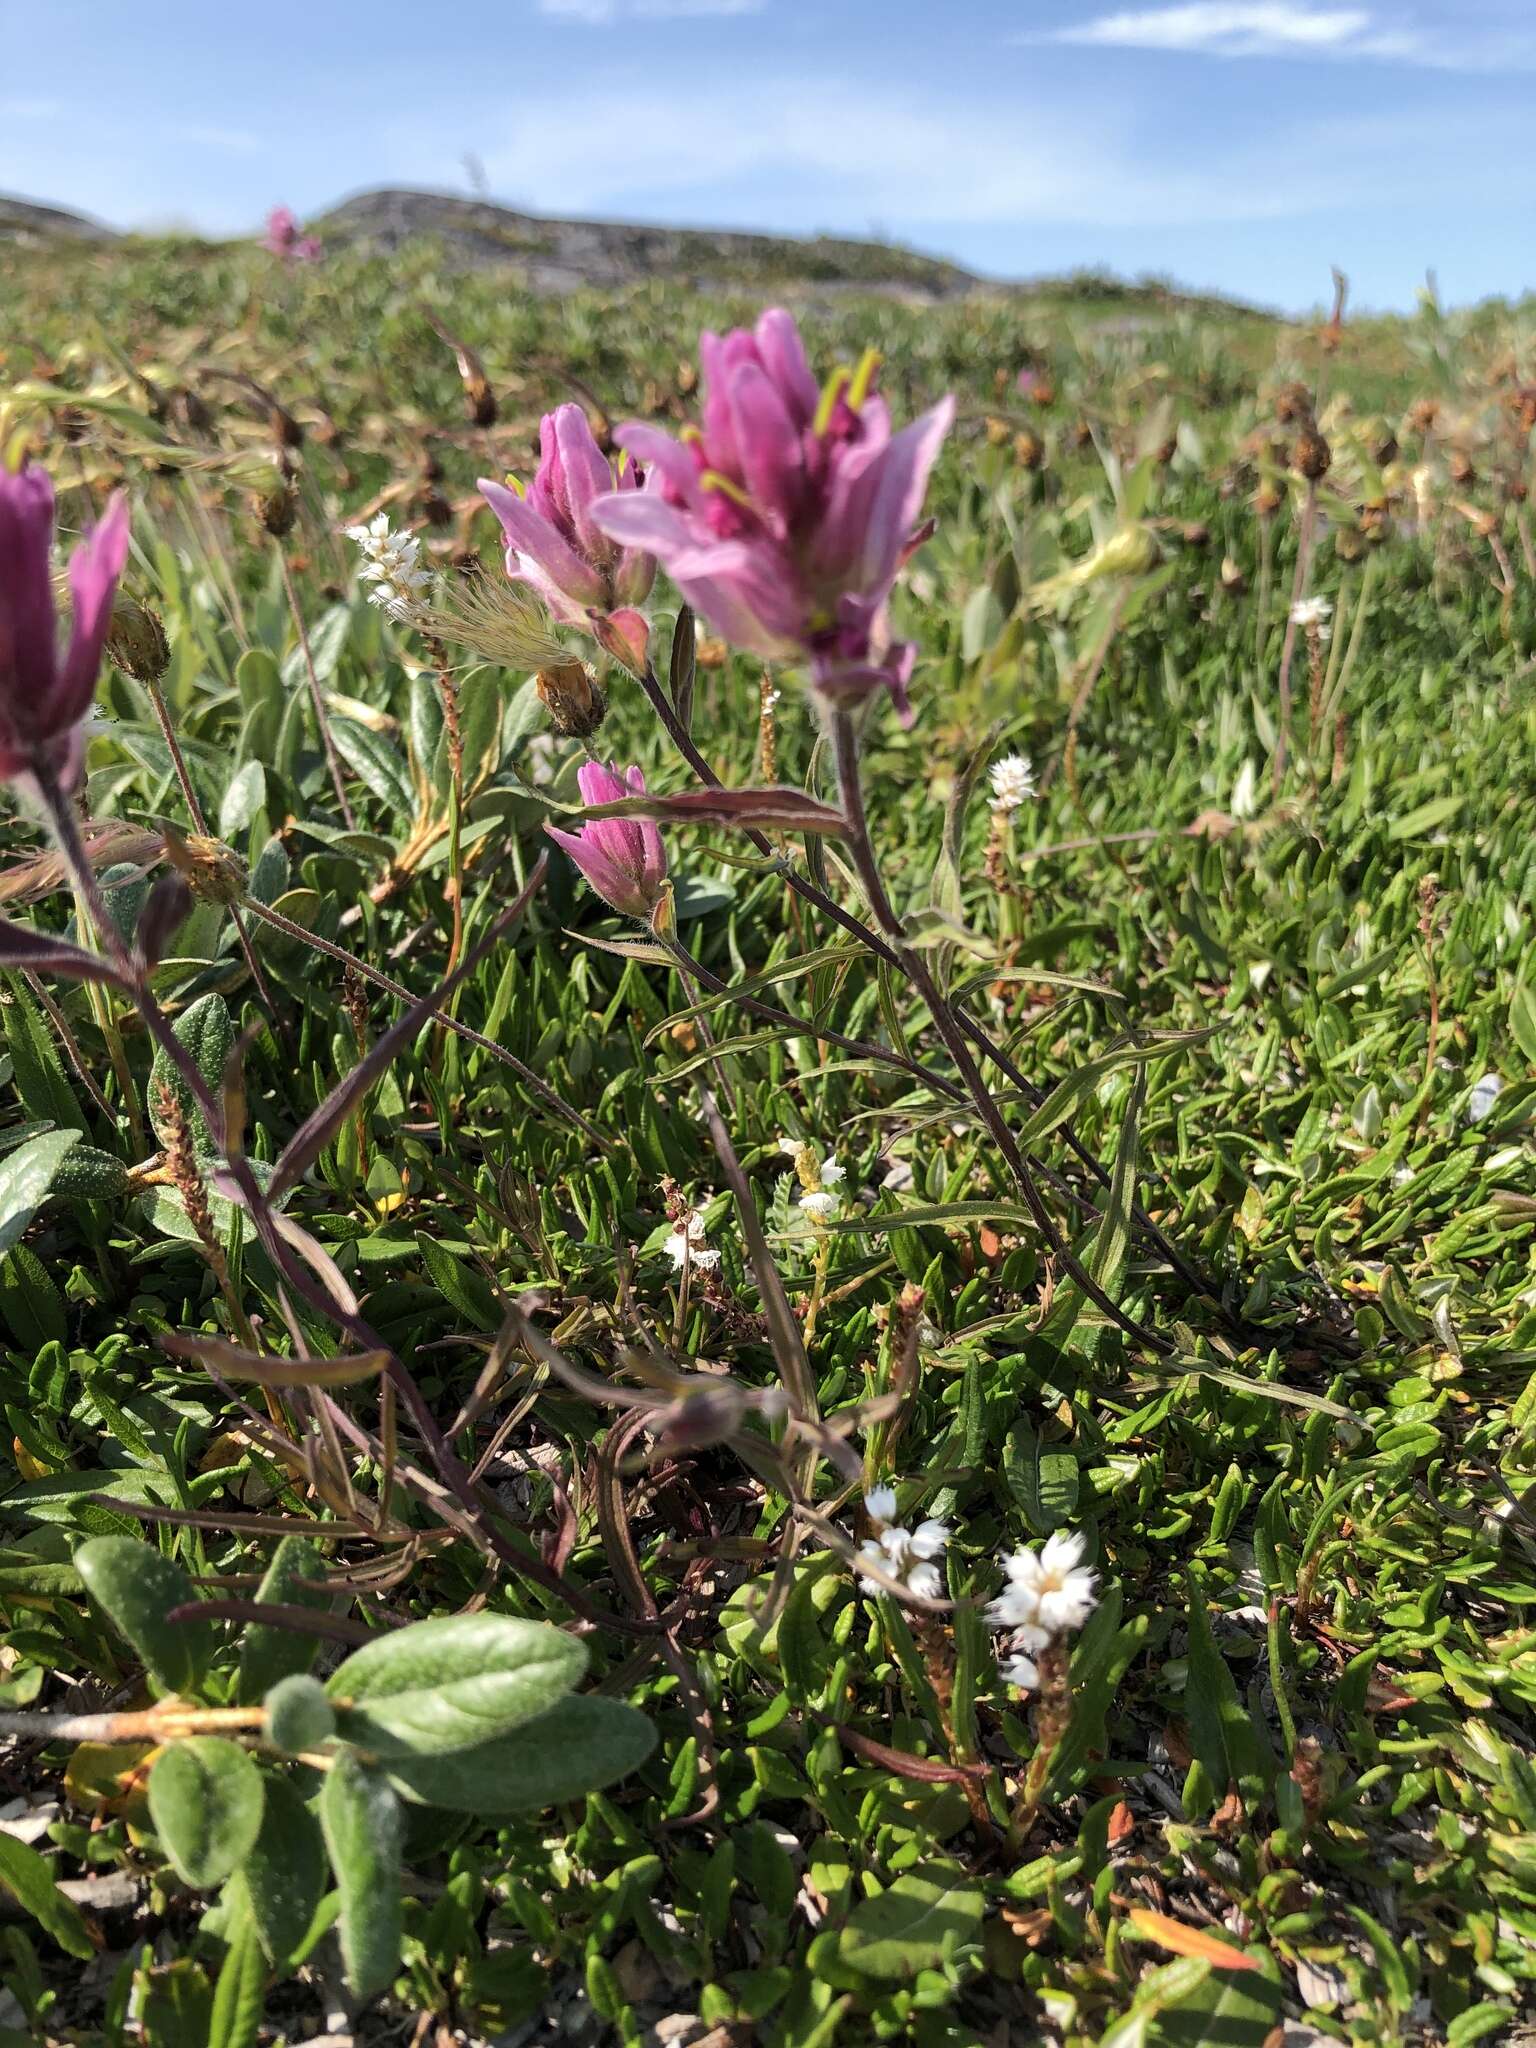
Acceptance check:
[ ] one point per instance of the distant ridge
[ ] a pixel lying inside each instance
(25, 220)
(559, 255)
(550, 255)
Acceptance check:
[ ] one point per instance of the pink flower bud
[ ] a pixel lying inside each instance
(45, 693)
(622, 858)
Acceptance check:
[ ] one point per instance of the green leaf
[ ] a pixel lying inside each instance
(923, 1918)
(26, 1175)
(205, 1799)
(26, 1876)
(374, 761)
(268, 1653)
(1222, 1733)
(1225, 2009)
(36, 1067)
(208, 1032)
(363, 1826)
(178, 2006)
(1522, 1020)
(460, 1285)
(136, 1587)
(453, 1682)
(1419, 823)
(572, 1749)
(239, 1999)
(243, 797)
(1043, 1482)
(284, 1872)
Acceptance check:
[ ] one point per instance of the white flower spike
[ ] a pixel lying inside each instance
(910, 1556)
(1013, 783)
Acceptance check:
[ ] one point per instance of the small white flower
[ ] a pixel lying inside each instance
(910, 1556)
(1485, 1093)
(819, 1204)
(1312, 611)
(1013, 783)
(880, 1504)
(391, 563)
(791, 1147)
(832, 1172)
(1020, 1670)
(1047, 1588)
(687, 1244)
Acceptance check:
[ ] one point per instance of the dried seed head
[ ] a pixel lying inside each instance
(279, 511)
(1423, 413)
(136, 639)
(1233, 581)
(1349, 543)
(1384, 449)
(1459, 464)
(1293, 405)
(214, 872)
(997, 432)
(1195, 533)
(185, 1174)
(1028, 449)
(571, 694)
(1267, 500)
(1313, 456)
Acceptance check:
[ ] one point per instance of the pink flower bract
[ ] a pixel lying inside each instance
(45, 692)
(553, 542)
(785, 518)
(623, 858)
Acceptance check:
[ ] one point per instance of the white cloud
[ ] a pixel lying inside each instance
(1293, 28)
(598, 13)
(792, 154)
(204, 136)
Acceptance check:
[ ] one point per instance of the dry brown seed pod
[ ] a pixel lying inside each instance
(1313, 456)
(571, 694)
(1028, 449)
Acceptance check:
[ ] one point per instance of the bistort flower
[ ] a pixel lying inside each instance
(554, 542)
(1013, 783)
(785, 518)
(623, 858)
(282, 237)
(45, 692)
(688, 1244)
(909, 1556)
(392, 565)
(1048, 1589)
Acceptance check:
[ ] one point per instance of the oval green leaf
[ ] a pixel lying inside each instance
(205, 1799)
(136, 1587)
(453, 1682)
(362, 1823)
(576, 1747)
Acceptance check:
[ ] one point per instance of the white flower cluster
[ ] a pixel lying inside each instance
(688, 1245)
(816, 1179)
(1049, 1594)
(1013, 784)
(391, 563)
(910, 1556)
(1307, 612)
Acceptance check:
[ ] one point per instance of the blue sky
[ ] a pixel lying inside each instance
(1241, 144)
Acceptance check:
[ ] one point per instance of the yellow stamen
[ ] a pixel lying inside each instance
(831, 392)
(692, 435)
(863, 377)
(516, 485)
(712, 480)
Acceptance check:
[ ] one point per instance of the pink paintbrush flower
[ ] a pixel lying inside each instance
(785, 519)
(45, 692)
(553, 542)
(623, 858)
(283, 238)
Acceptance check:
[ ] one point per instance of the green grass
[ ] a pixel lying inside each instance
(1302, 1714)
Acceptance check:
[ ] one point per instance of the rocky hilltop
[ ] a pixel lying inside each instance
(560, 255)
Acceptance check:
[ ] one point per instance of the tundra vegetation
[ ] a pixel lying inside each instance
(766, 1168)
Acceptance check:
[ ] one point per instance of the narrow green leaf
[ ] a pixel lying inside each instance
(363, 1826)
(26, 1876)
